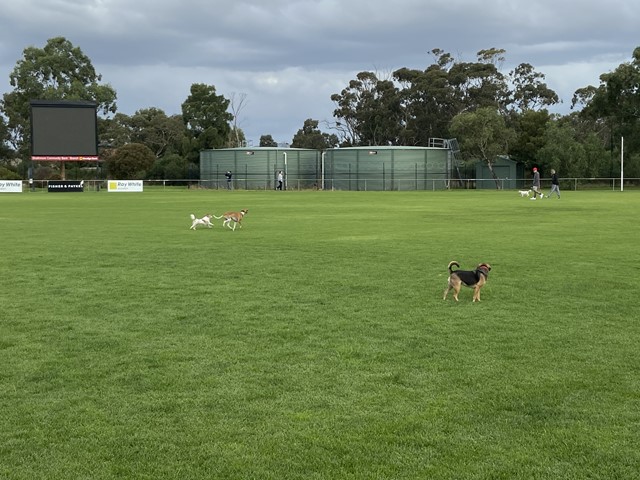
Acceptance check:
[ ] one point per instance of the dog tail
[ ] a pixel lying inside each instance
(193, 217)
(451, 264)
(218, 218)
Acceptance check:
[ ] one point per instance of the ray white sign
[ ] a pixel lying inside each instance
(124, 185)
(10, 186)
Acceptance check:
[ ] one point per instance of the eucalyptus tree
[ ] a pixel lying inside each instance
(161, 133)
(58, 71)
(267, 141)
(130, 161)
(429, 101)
(207, 121)
(369, 111)
(310, 136)
(616, 101)
(481, 83)
(529, 91)
(483, 136)
(6, 153)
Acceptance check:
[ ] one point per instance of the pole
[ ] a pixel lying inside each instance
(322, 167)
(622, 164)
(285, 169)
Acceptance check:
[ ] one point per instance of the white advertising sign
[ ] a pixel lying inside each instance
(124, 185)
(10, 186)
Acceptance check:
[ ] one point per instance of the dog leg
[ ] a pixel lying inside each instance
(476, 293)
(456, 290)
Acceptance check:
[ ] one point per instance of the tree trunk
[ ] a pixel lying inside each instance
(493, 174)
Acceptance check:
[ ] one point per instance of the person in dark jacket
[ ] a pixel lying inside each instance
(555, 185)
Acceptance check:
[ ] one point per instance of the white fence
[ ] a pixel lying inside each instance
(362, 184)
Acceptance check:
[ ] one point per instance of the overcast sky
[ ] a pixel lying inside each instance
(287, 57)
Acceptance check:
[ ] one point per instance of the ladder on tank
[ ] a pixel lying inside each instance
(455, 155)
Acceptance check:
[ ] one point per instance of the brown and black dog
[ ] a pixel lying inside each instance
(469, 278)
(235, 217)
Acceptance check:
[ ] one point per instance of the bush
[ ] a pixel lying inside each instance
(6, 174)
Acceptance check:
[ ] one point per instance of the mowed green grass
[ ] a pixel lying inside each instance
(314, 343)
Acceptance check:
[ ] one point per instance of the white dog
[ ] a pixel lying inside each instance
(524, 193)
(206, 220)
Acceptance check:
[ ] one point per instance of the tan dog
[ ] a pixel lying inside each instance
(469, 278)
(235, 217)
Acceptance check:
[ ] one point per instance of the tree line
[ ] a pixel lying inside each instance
(490, 112)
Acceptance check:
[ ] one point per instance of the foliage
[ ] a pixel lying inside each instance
(205, 116)
(267, 141)
(153, 128)
(6, 152)
(236, 138)
(369, 111)
(310, 136)
(529, 127)
(171, 166)
(135, 348)
(131, 161)
(529, 91)
(617, 99)
(59, 71)
(483, 135)
(7, 174)
(569, 155)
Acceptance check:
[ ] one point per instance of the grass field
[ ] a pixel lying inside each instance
(314, 342)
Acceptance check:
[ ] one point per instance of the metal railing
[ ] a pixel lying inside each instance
(362, 184)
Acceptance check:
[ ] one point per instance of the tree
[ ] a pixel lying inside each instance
(153, 128)
(236, 138)
(369, 111)
(530, 92)
(114, 132)
(6, 153)
(171, 166)
(59, 71)
(236, 104)
(267, 141)
(616, 100)
(569, 153)
(310, 136)
(480, 84)
(206, 118)
(483, 136)
(429, 101)
(131, 161)
(530, 127)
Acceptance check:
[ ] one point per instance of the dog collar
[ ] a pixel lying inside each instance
(484, 272)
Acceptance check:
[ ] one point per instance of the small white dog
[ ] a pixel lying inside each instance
(206, 220)
(524, 193)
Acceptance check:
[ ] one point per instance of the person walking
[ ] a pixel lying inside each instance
(536, 184)
(228, 175)
(555, 185)
(280, 180)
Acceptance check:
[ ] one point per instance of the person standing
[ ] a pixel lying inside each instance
(555, 185)
(536, 184)
(280, 180)
(228, 175)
